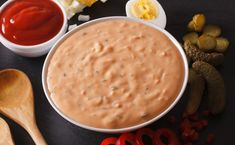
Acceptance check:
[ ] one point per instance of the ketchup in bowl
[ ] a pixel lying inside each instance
(31, 22)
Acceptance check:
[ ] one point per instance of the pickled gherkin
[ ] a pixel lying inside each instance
(197, 23)
(215, 85)
(206, 43)
(195, 54)
(221, 44)
(196, 89)
(212, 30)
(192, 37)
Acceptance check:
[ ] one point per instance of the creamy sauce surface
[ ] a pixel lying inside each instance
(115, 74)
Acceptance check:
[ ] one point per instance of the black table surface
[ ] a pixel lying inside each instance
(58, 131)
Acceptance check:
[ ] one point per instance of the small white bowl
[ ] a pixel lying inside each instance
(34, 50)
(104, 130)
(160, 20)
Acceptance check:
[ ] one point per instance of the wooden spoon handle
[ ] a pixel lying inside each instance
(36, 135)
(5, 133)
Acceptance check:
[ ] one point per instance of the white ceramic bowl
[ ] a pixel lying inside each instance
(34, 50)
(49, 56)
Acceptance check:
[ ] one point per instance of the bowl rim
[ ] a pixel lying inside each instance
(118, 130)
(46, 43)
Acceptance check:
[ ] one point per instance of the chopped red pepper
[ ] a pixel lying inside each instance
(189, 135)
(199, 125)
(126, 138)
(144, 131)
(109, 141)
(185, 124)
(168, 134)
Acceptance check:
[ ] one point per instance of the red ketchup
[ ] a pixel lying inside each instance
(31, 22)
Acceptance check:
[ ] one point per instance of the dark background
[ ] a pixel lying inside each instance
(58, 131)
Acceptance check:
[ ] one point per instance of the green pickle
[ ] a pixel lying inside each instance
(197, 23)
(221, 44)
(212, 30)
(195, 54)
(192, 37)
(206, 43)
(191, 26)
(215, 86)
(196, 90)
(205, 48)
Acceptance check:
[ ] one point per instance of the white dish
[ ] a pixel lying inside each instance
(34, 50)
(47, 61)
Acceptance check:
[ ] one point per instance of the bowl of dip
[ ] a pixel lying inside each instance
(30, 28)
(115, 74)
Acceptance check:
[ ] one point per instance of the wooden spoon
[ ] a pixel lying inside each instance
(17, 102)
(5, 133)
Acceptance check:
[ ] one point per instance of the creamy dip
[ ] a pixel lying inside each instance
(115, 74)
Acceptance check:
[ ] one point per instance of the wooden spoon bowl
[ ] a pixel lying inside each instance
(12, 89)
(17, 101)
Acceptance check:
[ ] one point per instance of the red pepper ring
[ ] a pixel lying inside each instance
(168, 134)
(144, 131)
(109, 141)
(126, 137)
